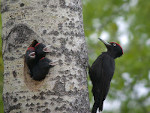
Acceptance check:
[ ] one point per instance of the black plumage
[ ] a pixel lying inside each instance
(101, 73)
(37, 63)
(41, 50)
(30, 58)
(41, 69)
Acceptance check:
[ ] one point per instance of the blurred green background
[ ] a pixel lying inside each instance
(128, 23)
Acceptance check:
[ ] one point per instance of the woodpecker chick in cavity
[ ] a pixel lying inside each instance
(30, 58)
(41, 50)
(41, 69)
(101, 73)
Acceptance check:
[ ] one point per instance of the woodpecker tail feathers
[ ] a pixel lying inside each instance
(98, 103)
(101, 106)
(96, 106)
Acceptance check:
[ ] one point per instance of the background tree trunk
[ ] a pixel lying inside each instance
(55, 22)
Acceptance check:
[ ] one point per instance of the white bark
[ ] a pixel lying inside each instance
(55, 22)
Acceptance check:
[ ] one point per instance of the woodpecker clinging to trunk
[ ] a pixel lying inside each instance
(41, 69)
(30, 58)
(41, 50)
(101, 73)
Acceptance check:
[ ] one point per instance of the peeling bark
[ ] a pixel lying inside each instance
(55, 22)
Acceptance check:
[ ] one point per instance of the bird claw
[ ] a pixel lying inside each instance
(47, 49)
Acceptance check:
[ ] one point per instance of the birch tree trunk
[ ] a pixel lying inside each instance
(55, 22)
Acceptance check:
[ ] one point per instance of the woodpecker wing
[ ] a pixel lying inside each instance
(101, 74)
(107, 73)
(108, 67)
(95, 73)
(95, 69)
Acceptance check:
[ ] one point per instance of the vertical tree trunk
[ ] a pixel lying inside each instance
(55, 22)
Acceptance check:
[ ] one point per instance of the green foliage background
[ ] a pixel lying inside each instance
(136, 58)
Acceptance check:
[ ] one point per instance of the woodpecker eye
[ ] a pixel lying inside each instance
(114, 44)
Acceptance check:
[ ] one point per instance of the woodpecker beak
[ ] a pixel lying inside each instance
(106, 43)
(54, 63)
(32, 55)
(47, 49)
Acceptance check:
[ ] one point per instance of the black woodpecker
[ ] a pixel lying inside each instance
(41, 69)
(30, 58)
(41, 50)
(101, 73)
